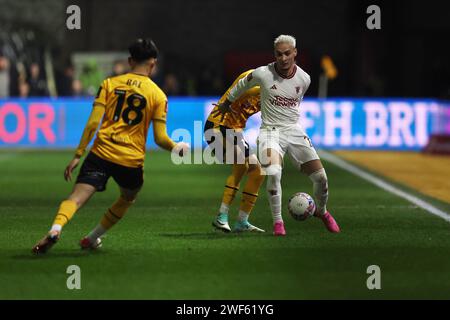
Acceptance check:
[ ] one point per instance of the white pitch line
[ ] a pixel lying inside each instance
(384, 185)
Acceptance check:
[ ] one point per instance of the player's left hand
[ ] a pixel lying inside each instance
(70, 167)
(223, 108)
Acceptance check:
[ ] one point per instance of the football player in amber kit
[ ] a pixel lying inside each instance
(124, 107)
(246, 106)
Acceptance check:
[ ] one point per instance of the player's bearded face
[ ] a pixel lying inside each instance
(285, 55)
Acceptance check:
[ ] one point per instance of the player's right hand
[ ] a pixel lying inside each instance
(70, 167)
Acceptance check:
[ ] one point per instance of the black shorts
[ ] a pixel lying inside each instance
(238, 135)
(96, 171)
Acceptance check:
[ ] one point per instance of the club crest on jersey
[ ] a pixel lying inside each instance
(298, 90)
(274, 87)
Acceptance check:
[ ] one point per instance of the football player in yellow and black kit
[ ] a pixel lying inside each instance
(124, 107)
(217, 126)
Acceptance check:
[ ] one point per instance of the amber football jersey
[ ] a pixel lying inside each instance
(246, 106)
(131, 102)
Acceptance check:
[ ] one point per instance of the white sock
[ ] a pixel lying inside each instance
(96, 233)
(320, 187)
(56, 227)
(224, 208)
(274, 191)
(243, 216)
(275, 206)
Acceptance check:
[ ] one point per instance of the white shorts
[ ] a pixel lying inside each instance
(287, 140)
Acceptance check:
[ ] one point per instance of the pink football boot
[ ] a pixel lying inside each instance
(330, 223)
(278, 229)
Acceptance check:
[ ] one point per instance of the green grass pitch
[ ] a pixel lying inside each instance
(165, 247)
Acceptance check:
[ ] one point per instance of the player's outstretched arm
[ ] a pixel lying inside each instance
(163, 140)
(91, 127)
(246, 79)
(244, 84)
(89, 131)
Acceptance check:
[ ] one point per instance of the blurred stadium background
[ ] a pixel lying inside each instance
(385, 108)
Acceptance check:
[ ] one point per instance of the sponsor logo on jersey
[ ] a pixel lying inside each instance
(284, 101)
(274, 87)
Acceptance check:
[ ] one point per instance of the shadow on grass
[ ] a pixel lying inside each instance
(214, 235)
(57, 254)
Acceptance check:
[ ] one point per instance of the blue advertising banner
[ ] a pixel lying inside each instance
(386, 124)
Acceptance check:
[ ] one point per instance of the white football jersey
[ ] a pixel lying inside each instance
(280, 96)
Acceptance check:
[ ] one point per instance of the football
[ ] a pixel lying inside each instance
(301, 206)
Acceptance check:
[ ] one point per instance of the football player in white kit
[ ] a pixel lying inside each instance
(283, 85)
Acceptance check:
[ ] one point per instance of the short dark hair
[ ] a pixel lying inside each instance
(143, 49)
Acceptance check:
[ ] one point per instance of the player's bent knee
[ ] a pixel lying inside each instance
(81, 194)
(311, 167)
(129, 195)
(255, 174)
(79, 200)
(254, 168)
(273, 170)
(130, 199)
